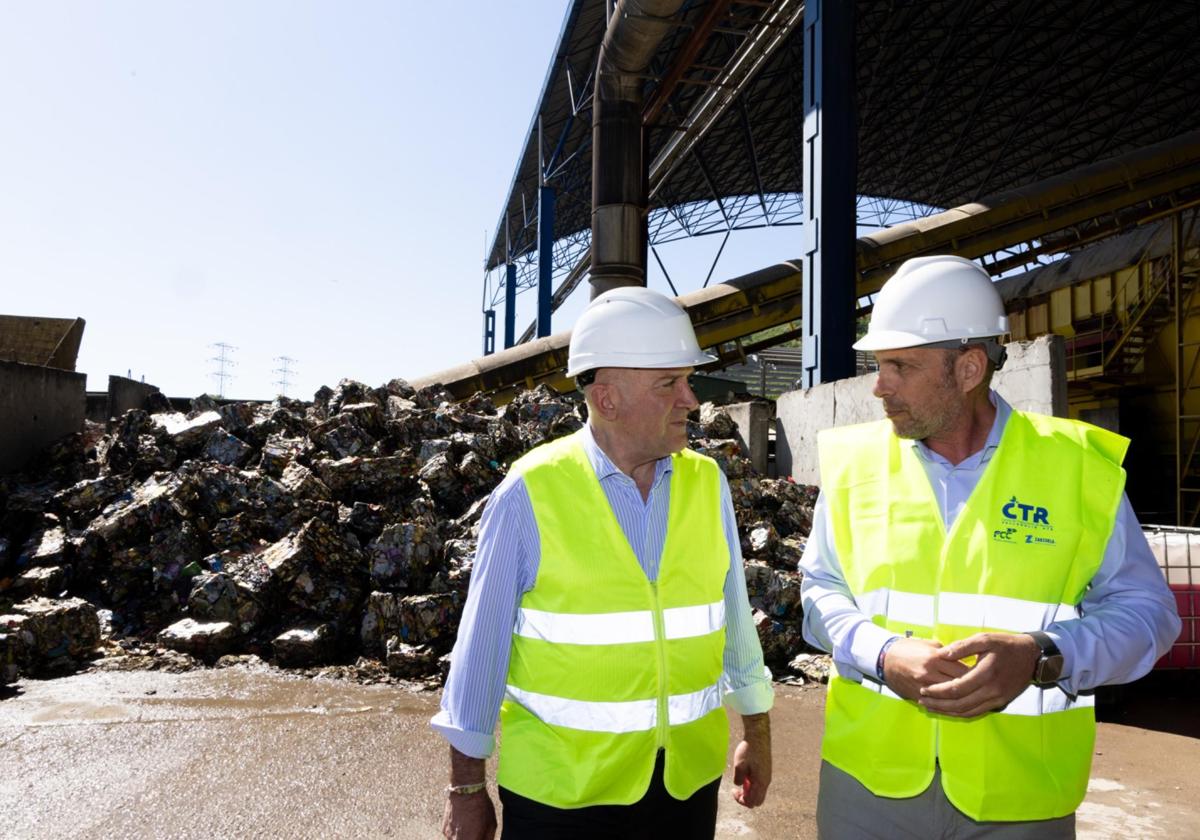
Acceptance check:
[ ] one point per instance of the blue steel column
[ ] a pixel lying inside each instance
(510, 304)
(545, 258)
(830, 183)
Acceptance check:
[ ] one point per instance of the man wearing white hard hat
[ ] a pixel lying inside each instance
(976, 572)
(607, 625)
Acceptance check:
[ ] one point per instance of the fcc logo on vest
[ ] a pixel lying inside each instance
(1022, 521)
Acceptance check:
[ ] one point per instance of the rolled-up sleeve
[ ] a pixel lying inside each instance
(749, 690)
(500, 575)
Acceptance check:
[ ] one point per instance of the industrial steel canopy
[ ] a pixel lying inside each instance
(956, 99)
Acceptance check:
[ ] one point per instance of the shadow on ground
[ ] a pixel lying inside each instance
(1164, 701)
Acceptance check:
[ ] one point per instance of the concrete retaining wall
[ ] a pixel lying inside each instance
(124, 394)
(1033, 379)
(753, 421)
(38, 405)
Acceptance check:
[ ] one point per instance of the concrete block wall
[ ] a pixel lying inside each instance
(124, 394)
(753, 421)
(1033, 379)
(38, 405)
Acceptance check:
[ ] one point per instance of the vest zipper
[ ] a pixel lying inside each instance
(660, 636)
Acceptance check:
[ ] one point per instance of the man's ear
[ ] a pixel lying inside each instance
(970, 368)
(603, 399)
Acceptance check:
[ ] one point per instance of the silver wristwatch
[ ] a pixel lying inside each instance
(1048, 669)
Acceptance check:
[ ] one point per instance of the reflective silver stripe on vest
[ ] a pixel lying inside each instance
(1031, 701)
(904, 607)
(685, 708)
(622, 716)
(686, 622)
(963, 609)
(618, 627)
(1012, 614)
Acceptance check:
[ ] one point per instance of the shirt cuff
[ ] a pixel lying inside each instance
(1066, 646)
(868, 640)
(473, 744)
(753, 699)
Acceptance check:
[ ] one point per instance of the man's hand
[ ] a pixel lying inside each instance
(1003, 670)
(469, 816)
(752, 761)
(914, 664)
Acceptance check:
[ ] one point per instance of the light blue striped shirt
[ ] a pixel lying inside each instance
(506, 564)
(1129, 618)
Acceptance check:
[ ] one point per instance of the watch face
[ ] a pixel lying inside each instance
(1049, 669)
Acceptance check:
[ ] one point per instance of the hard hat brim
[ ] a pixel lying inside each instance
(901, 340)
(635, 361)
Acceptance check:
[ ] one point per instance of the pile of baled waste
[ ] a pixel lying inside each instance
(337, 533)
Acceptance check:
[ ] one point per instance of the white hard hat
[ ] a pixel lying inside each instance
(633, 327)
(934, 299)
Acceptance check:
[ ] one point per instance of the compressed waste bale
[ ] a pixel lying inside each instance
(42, 581)
(278, 451)
(410, 661)
(715, 422)
(728, 455)
(367, 415)
(10, 670)
(184, 431)
(813, 667)
(760, 540)
(17, 647)
(149, 507)
(302, 483)
(365, 475)
(46, 547)
(400, 558)
(788, 553)
(779, 639)
(350, 392)
(325, 568)
(224, 448)
(459, 560)
(59, 631)
(91, 494)
(206, 641)
(219, 596)
(341, 436)
(240, 532)
(302, 646)
(238, 417)
(415, 619)
(431, 448)
(366, 520)
(202, 404)
(118, 452)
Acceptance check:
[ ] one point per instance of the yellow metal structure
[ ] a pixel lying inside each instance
(1133, 359)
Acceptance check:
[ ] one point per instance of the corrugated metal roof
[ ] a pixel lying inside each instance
(956, 99)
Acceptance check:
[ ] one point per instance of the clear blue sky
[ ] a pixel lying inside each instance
(312, 180)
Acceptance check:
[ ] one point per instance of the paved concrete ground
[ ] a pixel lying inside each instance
(241, 753)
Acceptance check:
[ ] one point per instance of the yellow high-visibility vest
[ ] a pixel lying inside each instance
(606, 666)
(1019, 556)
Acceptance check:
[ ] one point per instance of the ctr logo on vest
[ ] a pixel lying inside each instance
(1022, 520)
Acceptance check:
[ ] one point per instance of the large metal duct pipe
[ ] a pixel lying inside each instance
(619, 161)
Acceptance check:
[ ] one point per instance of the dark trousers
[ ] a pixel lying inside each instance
(655, 816)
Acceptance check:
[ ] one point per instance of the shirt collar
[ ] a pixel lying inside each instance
(604, 466)
(1003, 412)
